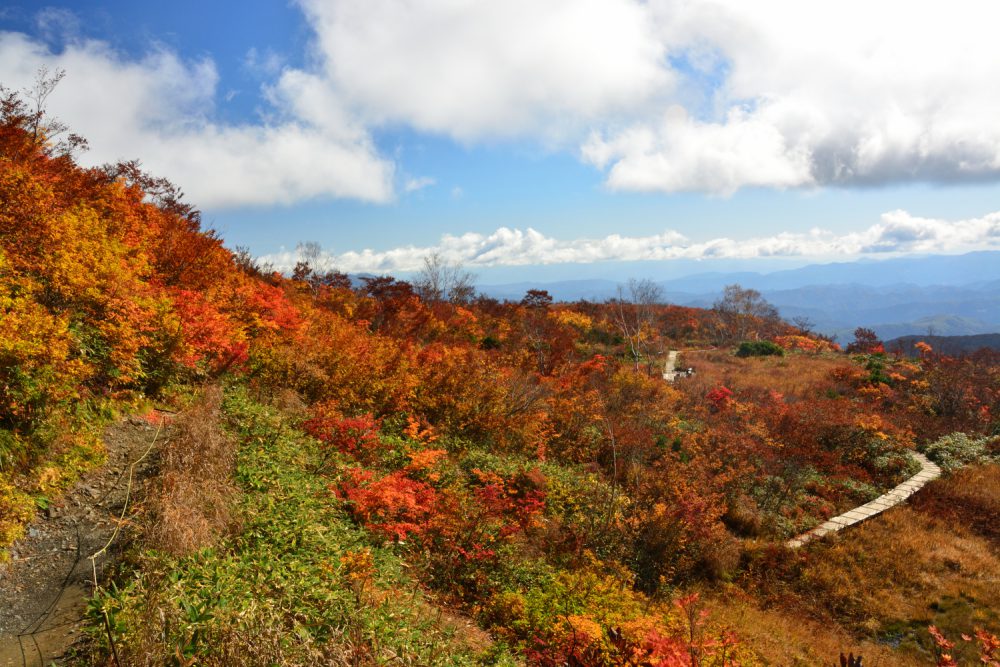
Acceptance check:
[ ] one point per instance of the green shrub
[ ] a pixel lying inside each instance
(958, 449)
(299, 584)
(759, 348)
(13, 450)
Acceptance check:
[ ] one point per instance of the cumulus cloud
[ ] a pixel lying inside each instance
(681, 153)
(896, 232)
(673, 95)
(482, 70)
(847, 94)
(659, 95)
(159, 109)
(266, 63)
(901, 232)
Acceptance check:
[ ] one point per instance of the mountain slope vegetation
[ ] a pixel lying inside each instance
(399, 466)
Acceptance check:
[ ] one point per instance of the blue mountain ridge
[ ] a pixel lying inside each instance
(946, 294)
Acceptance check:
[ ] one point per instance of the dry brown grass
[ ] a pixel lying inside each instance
(970, 497)
(191, 497)
(290, 404)
(874, 588)
(781, 637)
(793, 375)
(896, 566)
(894, 575)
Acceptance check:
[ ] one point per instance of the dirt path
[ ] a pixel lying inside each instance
(928, 471)
(45, 587)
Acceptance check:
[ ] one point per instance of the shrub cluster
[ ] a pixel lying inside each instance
(959, 449)
(759, 348)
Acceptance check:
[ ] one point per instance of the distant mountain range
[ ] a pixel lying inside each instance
(946, 295)
(950, 345)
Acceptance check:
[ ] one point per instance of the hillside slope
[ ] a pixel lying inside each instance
(377, 472)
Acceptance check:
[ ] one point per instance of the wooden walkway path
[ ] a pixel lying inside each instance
(670, 371)
(928, 471)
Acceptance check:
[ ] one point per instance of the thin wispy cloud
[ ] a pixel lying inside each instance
(267, 63)
(896, 232)
(416, 184)
(57, 24)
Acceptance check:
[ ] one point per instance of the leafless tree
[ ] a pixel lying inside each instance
(635, 316)
(804, 323)
(743, 314)
(315, 268)
(441, 280)
(32, 116)
(250, 264)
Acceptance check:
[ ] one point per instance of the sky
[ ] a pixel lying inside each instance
(531, 139)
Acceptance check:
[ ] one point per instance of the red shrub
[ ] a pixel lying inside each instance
(357, 436)
(393, 506)
(720, 397)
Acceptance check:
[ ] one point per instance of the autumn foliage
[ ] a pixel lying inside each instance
(109, 291)
(527, 457)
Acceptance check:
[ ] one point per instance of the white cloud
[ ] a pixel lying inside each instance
(900, 232)
(804, 94)
(269, 63)
(56, 24)
(897, 232)
(675, 95)
(481, 70)
(159, 109)
(681, 153)
(415, 184)
(660, 95)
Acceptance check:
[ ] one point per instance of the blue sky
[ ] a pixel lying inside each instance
(582, 135)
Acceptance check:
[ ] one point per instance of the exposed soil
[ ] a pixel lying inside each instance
(45, 586)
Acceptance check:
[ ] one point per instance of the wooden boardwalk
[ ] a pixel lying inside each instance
(670, 371)
(928, 471)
